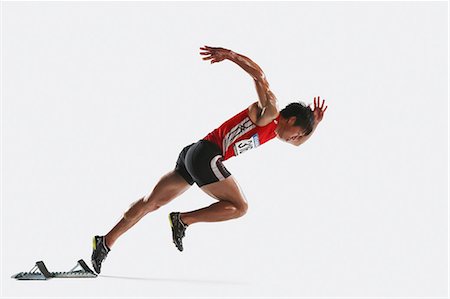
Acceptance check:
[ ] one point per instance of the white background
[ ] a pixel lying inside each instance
(98, 99)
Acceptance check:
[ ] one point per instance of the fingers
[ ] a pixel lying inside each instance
(215, 54)
(319, 104)
(213, 60)
(207, 48)
(210, 48)
(207, 51)
(322, 106)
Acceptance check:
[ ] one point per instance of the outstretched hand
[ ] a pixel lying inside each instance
(319, 110)
(214, 54)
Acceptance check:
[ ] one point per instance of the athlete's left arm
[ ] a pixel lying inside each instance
(319, 110)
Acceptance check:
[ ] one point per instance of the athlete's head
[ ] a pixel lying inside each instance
(296, 119)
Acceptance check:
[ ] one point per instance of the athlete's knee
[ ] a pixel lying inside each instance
(136, 210)
(238, 209)
(153, 202)
(159, 196)
(242, 209)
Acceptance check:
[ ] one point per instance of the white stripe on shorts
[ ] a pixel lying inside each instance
(215, 169)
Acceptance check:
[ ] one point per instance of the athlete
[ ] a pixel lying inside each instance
(201, 162)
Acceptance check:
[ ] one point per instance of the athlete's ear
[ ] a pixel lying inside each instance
(291, 120)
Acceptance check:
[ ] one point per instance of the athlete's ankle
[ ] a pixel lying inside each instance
(108, 242)
(184, 220)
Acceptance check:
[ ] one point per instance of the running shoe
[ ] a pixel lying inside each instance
(178, 229)
(99, 253)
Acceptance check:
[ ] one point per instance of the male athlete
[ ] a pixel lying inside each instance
(201, 162)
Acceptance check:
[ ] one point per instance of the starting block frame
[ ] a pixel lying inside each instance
(40, 272)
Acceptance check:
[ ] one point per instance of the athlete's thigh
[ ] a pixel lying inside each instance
(227, 189)
(168, 187)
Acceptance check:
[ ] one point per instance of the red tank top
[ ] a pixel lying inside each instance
(239, 134)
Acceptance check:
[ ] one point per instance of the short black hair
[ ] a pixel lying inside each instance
(303, 113)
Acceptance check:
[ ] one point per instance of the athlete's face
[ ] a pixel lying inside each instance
(286, 130)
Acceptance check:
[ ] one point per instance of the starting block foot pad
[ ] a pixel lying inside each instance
(40, 272)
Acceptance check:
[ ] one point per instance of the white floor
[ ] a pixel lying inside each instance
(273, 251)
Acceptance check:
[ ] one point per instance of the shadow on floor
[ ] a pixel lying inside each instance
(201, 281)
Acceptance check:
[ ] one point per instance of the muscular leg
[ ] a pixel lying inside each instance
(169, 186)
(231, 204)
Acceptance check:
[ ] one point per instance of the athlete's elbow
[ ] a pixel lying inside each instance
(259, 76)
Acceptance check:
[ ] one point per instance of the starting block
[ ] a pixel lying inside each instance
(40, 272)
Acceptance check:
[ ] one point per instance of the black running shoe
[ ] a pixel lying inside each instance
(99, 253)
(178, 229)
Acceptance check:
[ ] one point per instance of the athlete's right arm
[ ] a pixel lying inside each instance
(267, 102)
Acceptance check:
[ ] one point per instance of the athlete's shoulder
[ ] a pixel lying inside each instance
(262, 116)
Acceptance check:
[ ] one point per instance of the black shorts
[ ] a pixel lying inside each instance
(201, 163)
